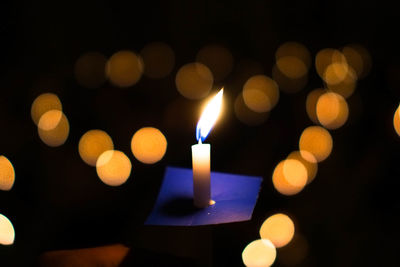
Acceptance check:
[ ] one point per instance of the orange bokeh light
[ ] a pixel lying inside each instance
(44, 103)
(92, 144)
(317, 141)
(396, 120)
(246, 115)
(7, 174)
(194, 80)
(332, 110)
(53, 128)
(279, 229)
(292, 67)
(113, 167)
(148, 145)
(260, 93)
(289, 177)
(294, 49)
(124, 68)
(311, 104)
(311, 166)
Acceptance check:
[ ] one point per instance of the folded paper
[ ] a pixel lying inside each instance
(235, 197)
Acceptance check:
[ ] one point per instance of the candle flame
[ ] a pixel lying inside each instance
(209, 116)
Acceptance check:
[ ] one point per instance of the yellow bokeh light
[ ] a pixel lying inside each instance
(44, 103)
(289, 177)
(92, 144)
(332, 110)
(294, 49)
(292, 67)
(279, 229)
(158, 59)
(259, 253)
(345, 87)
(113, 167)
(326, 57)
(53, 128)
(286, 84)
(194, 80)
(218, 58)
(295, 173)
(7, 233)
(311, 166)
(148, 145)
(90, 70)
(124, 68)
(246, 115)
(311, 104)
(396, 120)
(7, 174)
(317, 141)
(336, 72)
(260, 93)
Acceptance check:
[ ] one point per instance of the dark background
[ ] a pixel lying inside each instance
(348, 215)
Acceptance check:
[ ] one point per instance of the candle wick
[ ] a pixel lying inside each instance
(200, 141)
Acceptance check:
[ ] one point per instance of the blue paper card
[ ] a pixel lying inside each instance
(235, 197)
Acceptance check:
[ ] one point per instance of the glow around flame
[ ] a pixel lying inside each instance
(209, 116)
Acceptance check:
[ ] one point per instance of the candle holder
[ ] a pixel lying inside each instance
(235, 197)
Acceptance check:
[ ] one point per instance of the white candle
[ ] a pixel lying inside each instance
(201, 175)
(201, 153)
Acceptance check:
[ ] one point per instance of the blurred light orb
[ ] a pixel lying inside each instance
(317, 141)
(7, 233)
(332, 110)
(346, 86)
(279, 229)
(113, 167)
(260, 93)
(90, 70)
(194, 80)
(311, 166)
(158, 59)
(259, 253)
(7, 174)
(336, 73)
(396, 120)
(295, 173)
(92, 144)
(292, 67)
(358, 58)
(53, 128)
(218, 59)
(289, 177)
(294, 49)
(124, 68)
(311, 104)
(246, 115)
(44, 103)
(326, 57)
(286, 84)
(148, 145)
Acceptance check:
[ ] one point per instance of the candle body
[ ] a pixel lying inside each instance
(201, 175)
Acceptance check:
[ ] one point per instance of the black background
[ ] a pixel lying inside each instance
(349, 214)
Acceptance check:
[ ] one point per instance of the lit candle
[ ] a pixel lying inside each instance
(201, 152)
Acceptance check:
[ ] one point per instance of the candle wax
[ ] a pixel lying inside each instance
(201, 175)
